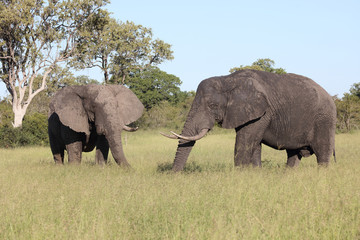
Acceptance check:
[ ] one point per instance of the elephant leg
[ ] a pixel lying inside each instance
(323, 154)
(58, 153)
(59, 157)
(247, 149)
(324, 142)
(57, 150)
(294, 158)
(74, 151)
(248, 143)
(102, 150)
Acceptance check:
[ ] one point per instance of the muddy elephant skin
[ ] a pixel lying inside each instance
(84, 117)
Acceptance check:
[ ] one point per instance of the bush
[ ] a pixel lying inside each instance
(33, 132)
(35, 129)
(166, 115)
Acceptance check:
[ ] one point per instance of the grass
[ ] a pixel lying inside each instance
(210, 200)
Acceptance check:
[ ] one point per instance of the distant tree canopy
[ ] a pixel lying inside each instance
(262, 64)
(348, 110)
(153, 86)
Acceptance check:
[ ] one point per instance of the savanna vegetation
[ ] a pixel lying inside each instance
(210, 200)
(42, 44)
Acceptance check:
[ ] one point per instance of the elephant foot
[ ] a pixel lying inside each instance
(58, 159)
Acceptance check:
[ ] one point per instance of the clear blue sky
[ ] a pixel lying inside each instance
(319, 39)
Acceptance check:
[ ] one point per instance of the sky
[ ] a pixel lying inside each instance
(315, 38)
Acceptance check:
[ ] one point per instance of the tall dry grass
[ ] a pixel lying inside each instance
(210, 200)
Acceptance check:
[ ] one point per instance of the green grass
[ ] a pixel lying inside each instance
(210, 200)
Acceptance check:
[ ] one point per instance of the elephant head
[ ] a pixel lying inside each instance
(109, 108)
(230, 101)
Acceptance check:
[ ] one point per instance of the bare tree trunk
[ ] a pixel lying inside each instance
(19, 113)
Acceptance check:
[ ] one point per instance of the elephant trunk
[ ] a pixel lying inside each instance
(183, 151)
(115, 144)
(196, 126)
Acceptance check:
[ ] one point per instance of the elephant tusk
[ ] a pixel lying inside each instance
(130, 129)
(193, 138)
(169, 136)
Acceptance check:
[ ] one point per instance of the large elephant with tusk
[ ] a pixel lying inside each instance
(84, 117)
(287, 112)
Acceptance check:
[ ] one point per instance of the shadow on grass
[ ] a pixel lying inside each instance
(189, 168)
(194, 167)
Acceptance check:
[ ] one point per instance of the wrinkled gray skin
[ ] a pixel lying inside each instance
(286, 112)
(84, 117)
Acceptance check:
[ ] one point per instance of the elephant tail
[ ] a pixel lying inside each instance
(334, 155)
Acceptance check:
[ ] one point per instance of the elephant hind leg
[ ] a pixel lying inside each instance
(323, 154)
(324, 143)
(293, 158)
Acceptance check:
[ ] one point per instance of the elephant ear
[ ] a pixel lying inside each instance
(246, 102)
(129, 105)
(123, 106)
(69, 107)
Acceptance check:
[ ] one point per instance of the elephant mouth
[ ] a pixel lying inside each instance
(187, 138)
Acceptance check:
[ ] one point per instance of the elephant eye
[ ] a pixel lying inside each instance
(213, 105)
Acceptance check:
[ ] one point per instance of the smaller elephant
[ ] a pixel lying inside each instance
(84, 117)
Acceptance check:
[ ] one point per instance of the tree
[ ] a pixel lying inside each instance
(119, 48)
(136, 51)
(348, 109)
(57, 79)
(355, 90)
(35, 36)
(152, 86)
(262, 64)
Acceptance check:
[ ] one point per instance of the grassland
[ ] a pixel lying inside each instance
(210, 200)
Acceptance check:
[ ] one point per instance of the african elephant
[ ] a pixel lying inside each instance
(286, 112)
(82, 117)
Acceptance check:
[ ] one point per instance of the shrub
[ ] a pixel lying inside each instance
(33, 132)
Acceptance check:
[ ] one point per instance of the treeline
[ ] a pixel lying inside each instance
(166, 106)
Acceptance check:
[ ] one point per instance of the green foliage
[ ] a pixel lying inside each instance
(135, 50)
(35, 36)
(119, 49)
(348, 111)
(153, 86)
(35, 128)
(6, 116)
(166, 115)
(262, 64)
(32, 133)
(211, 200)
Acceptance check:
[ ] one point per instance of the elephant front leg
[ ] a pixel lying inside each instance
(247, 150)
(74, 151)
(57, 148)
(102, 150)
(59, 158)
